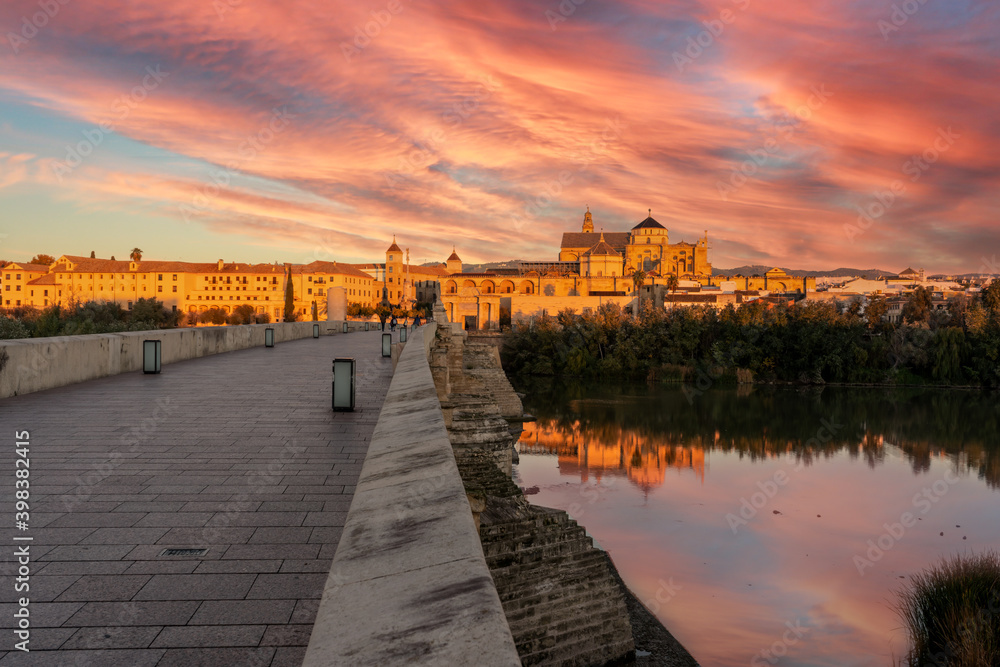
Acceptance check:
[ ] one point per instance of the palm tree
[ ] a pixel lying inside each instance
(639, 278)
(136, 255)
(672, 283)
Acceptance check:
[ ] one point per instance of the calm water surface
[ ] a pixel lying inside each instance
(770, 526)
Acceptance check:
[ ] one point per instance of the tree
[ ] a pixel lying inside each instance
(639, 278)
(875, 310)
(242, 315)
(917, 309)
(93, 255)
(42, 259)
(289, 297)
(315, 311)
(213, 316)
(384, 312)
(355, 309)
(991, 297)
(136, 255)
(673, 282)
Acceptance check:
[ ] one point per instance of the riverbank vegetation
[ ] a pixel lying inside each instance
(86, 318)
(810, 343)
(952, 613)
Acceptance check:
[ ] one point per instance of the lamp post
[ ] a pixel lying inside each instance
(315, 331)
(343, 384)
(345, 326)
(366, 325)
(151, 357)
(387, 344)
(269, 337)
(402, 334)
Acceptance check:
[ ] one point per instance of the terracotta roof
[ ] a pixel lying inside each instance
(649, 223)
(47, 279)
(33, 268)
(338, 268)
(394, 247)
(454, 257)
(602, 248)
(908, 272)
(617, 240)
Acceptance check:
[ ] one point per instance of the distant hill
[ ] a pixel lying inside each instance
(480, 268)
(761, 269)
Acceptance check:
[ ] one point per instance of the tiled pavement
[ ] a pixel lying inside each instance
(239, 453)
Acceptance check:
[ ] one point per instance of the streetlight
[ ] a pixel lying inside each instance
(345, 326)
(151, 356)
(387, 345)
(269, 337)
(402, 334)
(343, 384)
(315, 331)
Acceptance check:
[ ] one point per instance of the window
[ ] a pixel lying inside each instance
(175, 288)
(19, 276)
(309, 291)
(159, 288)
(159, 276)
(17, 288)
(130, 305)
(175, 276)
(46, 293)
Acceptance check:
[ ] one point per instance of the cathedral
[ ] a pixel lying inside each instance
(645, 247)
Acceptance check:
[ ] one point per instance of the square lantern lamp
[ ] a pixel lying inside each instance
(366, 325)
(402, 334)
(315, 331)
(345, 326)
(387, 344)
(151, 357)
(343, 384)
(269, 337)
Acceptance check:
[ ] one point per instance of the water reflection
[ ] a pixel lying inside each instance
(813, 477)
(650, 429)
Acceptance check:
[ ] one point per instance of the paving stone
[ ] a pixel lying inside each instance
(217, 657)
(286, 635)
(296, 585)
(124, 536)
(50, 639)
(291, 565)
(289, 656)
(113, 637)
(257, 566)
(197, 587)
(116, 658)
(43, 614)
(115, 614)
(275, 535)
(209, 635)
(83, 567)
(237, 612)
(271, 551)
(88, 552)
(96, 587)
(238, 466)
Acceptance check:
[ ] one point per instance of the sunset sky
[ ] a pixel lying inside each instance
(258, 130)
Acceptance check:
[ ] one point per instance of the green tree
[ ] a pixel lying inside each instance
(42, 259)
(991, 298)
(136, 255)
(289, 297)
(673, 282)
(355, 309)
(315, 311)
(242, 315)
(213, 316)
(917, 309)
(876, 309)
(639, 278)
(384, 312)
(947, 357)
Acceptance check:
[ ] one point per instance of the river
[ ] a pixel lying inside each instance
(770, 526)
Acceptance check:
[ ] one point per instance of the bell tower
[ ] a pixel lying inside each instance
(588, 222)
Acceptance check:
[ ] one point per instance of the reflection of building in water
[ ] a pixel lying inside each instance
(643, 460)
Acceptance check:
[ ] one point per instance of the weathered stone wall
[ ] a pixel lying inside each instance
(35, 364)
(562, 604)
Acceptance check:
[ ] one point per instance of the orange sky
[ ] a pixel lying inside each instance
(304, 130)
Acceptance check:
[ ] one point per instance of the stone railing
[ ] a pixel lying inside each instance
(34, 364)
(409, 583)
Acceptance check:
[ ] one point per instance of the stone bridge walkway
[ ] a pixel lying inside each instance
(237, 453)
